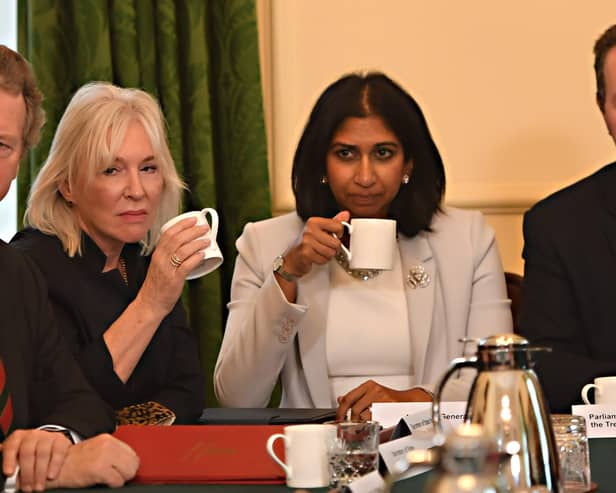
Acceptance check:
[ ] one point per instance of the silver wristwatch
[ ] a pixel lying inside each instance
(278, 268)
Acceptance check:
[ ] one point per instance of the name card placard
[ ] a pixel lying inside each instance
(600, 419)
(394, 452)
(418, 414)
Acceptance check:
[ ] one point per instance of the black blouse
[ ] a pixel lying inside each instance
(87, 301)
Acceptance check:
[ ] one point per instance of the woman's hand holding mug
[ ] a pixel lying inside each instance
(211, 255)
(184, 241)
(317, 245)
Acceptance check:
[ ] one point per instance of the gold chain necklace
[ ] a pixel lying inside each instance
(362, 274)
(122, 269)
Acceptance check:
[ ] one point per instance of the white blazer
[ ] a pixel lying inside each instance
(267, 337)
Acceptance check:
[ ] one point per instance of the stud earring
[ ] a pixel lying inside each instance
(406, 178)
(323, 180)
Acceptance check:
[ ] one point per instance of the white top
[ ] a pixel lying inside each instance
(368, 334)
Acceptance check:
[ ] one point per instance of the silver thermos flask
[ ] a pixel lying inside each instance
(507, 400)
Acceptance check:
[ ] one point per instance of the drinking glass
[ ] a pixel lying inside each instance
(354, 452)
(573, 455)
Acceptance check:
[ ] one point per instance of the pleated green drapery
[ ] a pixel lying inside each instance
(200, 58)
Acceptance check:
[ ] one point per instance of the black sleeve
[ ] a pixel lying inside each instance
(92, 355)
(184, 388)
(60, 394)
(552, 314)
(173, 354)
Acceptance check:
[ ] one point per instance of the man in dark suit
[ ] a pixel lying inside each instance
(570, 272)
(41, 386)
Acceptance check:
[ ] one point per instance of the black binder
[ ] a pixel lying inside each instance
(265, 416)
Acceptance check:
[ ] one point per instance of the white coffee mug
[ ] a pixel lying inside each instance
(372, 243)
(212, 256)
(605, 390)
(305, 449)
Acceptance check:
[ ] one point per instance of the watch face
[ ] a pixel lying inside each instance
(278, 269)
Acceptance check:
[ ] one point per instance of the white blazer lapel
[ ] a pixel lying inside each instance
(313, 290)
(416, 252)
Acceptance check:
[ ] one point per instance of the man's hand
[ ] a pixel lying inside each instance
(99, 460)
(40, 455)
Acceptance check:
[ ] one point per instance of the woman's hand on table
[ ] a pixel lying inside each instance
(359, 400)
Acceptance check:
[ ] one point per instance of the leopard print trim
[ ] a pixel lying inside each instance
(146, 413)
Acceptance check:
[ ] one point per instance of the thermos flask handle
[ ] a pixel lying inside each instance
(456, 364)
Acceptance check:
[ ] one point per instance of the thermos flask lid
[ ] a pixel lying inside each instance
(503, 341)
(502, 351)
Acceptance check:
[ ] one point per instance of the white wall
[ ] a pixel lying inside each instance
(507, 89)
(8, 37)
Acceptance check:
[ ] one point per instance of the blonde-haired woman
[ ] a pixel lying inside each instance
(94, 215)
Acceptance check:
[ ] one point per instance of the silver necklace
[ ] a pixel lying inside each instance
(362, 274)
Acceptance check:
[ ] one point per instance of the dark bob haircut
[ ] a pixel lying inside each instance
(362, 95)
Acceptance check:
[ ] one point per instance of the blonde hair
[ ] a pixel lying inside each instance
(86, 142)
(16, 77)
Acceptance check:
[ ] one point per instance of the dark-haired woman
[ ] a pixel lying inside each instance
(337, 338)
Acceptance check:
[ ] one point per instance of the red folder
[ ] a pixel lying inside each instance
(233, 454)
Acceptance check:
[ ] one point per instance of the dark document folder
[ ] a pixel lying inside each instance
(267, 416)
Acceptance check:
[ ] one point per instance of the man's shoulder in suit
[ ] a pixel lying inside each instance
(574, 202)
(14, 265)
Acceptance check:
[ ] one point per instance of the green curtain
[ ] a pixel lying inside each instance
(200, 58)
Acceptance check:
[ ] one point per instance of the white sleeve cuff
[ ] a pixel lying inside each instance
(10, 484)
(74, 436)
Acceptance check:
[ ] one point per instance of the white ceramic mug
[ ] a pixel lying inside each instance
(605, 391)
(212, 256)
(372, 243)
(305, 449)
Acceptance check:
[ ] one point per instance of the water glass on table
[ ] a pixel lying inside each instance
(354, 452)
(573, 453)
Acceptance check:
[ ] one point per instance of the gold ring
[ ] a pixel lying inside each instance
(176, 261)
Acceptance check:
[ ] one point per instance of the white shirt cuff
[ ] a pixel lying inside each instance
(75, 437)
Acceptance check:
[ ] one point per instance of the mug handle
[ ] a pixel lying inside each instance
(346, 251)
(214, 220)
(585, 390)
(270, 450)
